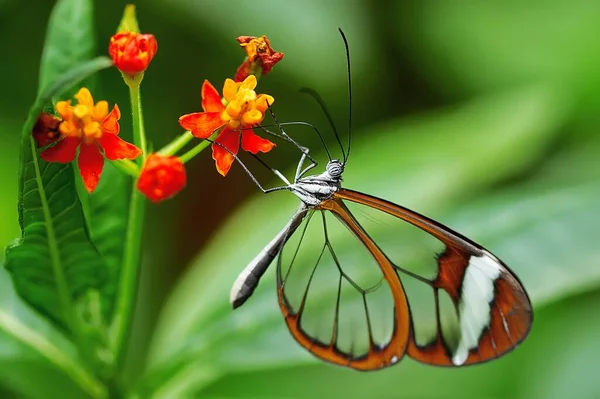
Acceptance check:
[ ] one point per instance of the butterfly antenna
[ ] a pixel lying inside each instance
(325, 110)
(316, 131)
(287, 137)
(349, 94)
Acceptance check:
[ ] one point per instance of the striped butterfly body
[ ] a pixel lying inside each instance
(362, 281)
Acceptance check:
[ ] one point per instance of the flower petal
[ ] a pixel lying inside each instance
(100, 110)
(223, 158)
(201, 124)
(90, 163)
(253, 143)
(117, 148)
(263, 102)
(249, 83)
(110, 124)
(64, 109)
(230, 89)
(211, 100)
(84, 97)
(64, 151)
(252, 117)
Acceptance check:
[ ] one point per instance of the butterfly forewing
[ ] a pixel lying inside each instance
(466, 306)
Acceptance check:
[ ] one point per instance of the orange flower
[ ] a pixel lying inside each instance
(131, 52)
(162, 177)
(45, 130)
(260, 56)
(89, 127)
(243, 109)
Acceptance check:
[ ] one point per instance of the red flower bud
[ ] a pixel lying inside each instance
(131, 52)
(162, 177)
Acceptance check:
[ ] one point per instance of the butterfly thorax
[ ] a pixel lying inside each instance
(313, 190)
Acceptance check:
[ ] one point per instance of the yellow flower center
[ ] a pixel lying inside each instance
(242, 105)
(83, 119)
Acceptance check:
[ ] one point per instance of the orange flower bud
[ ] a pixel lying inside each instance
(131, 52)
(45, 130)
(162, 177)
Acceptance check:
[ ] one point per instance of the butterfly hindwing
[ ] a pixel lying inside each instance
(337, 303)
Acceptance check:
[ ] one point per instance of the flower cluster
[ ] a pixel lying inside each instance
(91, 128)
(89, 132)
(242, 110)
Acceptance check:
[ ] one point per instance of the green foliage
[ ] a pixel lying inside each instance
(55, 266)
(54, 263)
(32, 348)
(69, 41)
(505, 152)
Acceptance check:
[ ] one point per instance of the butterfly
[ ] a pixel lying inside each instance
(376, 299)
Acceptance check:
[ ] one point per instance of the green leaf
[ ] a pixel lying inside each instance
(30, 347)
(69, 40)
(54, 263)
(107, 221)
(427, 164)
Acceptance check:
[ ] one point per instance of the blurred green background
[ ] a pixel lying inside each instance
(485, 116)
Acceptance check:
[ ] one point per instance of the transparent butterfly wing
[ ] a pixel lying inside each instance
(356, 295)
(338, 304)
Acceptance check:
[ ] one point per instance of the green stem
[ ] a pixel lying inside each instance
(130, 268)
(198, 148)
(176, 145)
(128, 281)
(139, 135)
(126, 166)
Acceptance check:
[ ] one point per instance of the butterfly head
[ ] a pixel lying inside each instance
(335, 168)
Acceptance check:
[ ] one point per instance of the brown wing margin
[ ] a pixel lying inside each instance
(511, 313)
(378, 356)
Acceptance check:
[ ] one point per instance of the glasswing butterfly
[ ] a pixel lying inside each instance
(472, 308)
